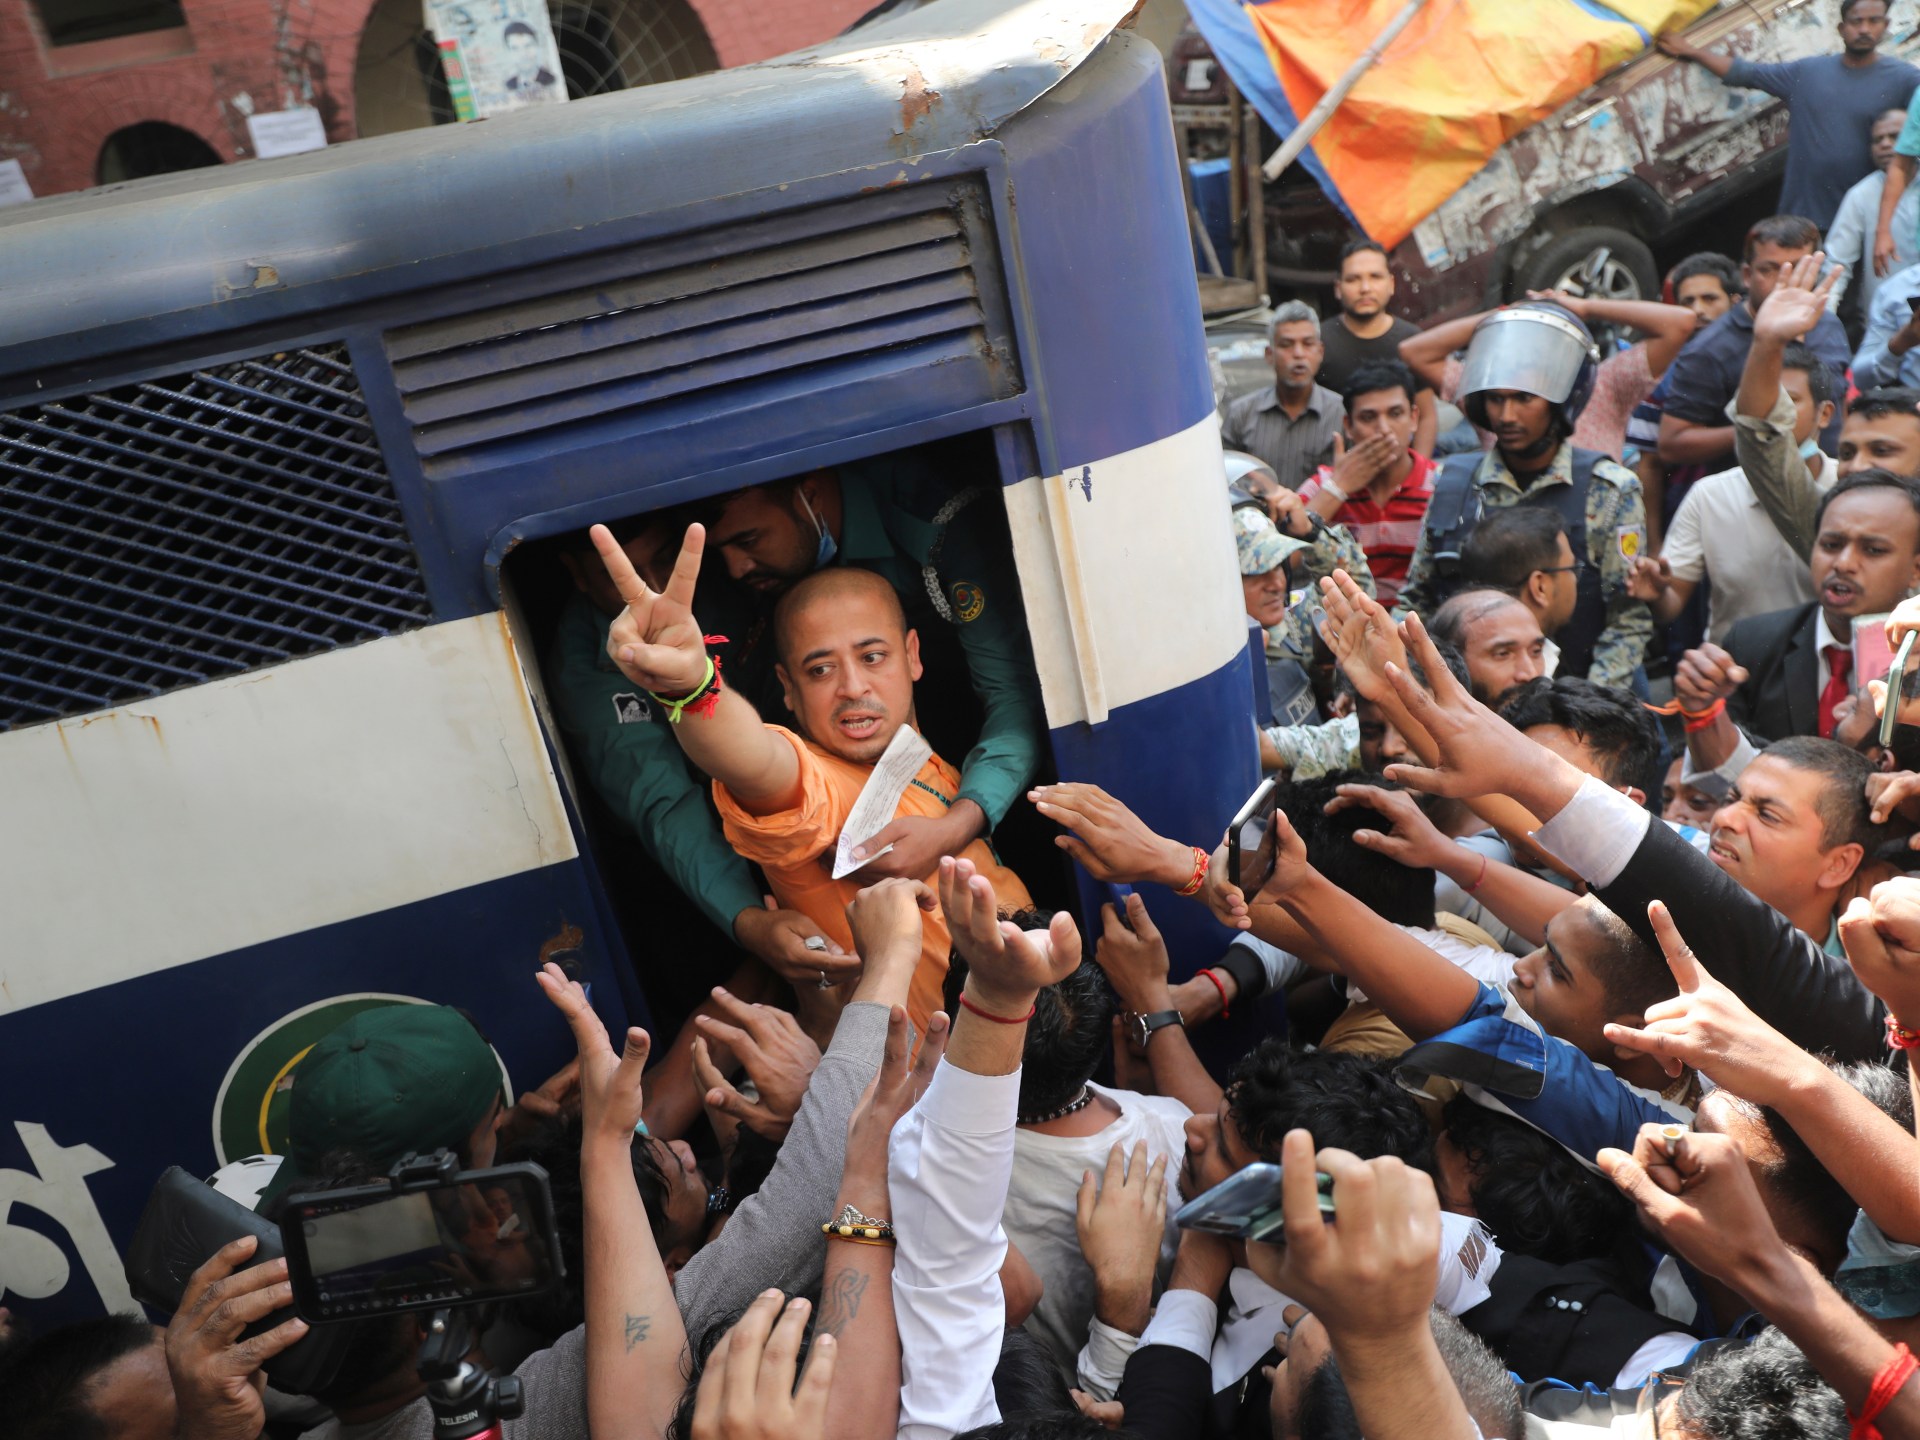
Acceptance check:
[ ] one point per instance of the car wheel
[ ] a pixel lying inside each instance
(1597, 262)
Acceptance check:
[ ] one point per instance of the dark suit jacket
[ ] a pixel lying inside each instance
(1785, 978)
(1784, 673)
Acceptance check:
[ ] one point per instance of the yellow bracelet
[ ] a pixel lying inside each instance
(859, 1234)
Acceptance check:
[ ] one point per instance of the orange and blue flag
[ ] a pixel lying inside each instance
(1462, 79)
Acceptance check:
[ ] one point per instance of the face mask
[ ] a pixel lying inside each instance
(827, 548)
(1810, 449)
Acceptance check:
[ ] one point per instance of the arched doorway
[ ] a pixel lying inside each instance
(605, 45)
(152, 147)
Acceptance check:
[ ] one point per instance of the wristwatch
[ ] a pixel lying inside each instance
(1143, 1026)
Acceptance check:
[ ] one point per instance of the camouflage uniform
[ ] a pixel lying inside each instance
(1334, 548)
(1616, 522)
(1309, 751)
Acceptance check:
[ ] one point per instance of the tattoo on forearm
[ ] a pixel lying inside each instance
(840, 1301)
(637, 1327)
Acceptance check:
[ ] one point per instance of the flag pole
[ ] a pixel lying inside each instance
(1309, 126)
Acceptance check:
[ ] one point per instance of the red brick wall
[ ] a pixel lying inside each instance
(58, 106)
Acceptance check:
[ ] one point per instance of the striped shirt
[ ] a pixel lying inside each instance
(1387, 533)
(1293, 448)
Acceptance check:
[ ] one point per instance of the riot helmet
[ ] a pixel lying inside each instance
(1537, 348)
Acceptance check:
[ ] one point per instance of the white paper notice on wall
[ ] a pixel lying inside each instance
(286, 132)
(14, 189)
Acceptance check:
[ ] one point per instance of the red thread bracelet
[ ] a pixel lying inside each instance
(1481, 878)
(1700, 719)
(1886, 1385)
(1214, 980)
(1201, 860)
(998, 1019)
(1899, 1037)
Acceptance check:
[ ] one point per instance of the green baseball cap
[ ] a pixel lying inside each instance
(386, 1081)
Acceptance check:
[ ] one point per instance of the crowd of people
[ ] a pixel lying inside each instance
(1575, 907)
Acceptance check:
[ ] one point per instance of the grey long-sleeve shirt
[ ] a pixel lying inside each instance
(774, 1237)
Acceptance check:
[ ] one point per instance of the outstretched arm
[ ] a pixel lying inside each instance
(657, 644)
(635, 1338)
(1885, 251)
(1700, 1197)
(1414, 987)
(1682, 49)
(1708, 1028)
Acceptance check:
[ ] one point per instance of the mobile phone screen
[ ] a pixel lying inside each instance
(1250, 840)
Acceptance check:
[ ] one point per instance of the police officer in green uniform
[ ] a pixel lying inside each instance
(1529, 370)
(946, 551)
(620, 742)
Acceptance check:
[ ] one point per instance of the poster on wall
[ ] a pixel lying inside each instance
(498, 55)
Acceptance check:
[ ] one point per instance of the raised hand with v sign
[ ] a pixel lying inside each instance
(1708, 1027)
(655, 641)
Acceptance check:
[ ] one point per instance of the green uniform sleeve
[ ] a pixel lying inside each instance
(641, 774)
(1616, 533)
(1415, 596)
(984, 595)
(1334, 548)
(1770, 456)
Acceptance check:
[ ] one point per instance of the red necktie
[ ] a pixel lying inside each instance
(1839, 667)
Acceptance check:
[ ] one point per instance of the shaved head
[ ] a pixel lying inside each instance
(841, 585)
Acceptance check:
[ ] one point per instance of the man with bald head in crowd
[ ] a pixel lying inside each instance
(847, 665)
(1499, 636)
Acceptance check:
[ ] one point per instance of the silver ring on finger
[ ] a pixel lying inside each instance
(823, 983)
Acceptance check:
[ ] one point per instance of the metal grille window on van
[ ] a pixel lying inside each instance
(167, 533)
(692, 330)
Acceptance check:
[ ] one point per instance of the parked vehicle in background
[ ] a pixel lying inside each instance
(1598, 198)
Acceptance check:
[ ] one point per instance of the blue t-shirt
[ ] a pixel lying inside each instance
(1503, 1060)
(1833, 108)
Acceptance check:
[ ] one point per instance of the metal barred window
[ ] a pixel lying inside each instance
(165, 533)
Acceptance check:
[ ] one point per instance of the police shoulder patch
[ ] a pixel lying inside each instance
(969, 600)
(1629, 538)
(631, 709)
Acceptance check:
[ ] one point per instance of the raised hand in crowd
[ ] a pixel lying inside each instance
(1881, 933)
(856, 1288)
(1697, 1193)
(1408, 837)
(1006, 966)
(1893, 794)
(635, 1336)
(1368, 1273)
(1121, 1218)
(1706, 1027)
(747, 1391)
(1798, 300)
(774, 1051)
(1475, 752)
(218, 1386)
(1706, 675)
(655, 641)
(1362, 636)
(555, 1098)
(1133, 955)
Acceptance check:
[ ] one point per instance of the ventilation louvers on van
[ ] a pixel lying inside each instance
(894, 299)
(164, 533)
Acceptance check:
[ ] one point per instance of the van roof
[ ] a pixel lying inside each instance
(879, 98)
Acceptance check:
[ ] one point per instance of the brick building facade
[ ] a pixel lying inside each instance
(97, 90)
